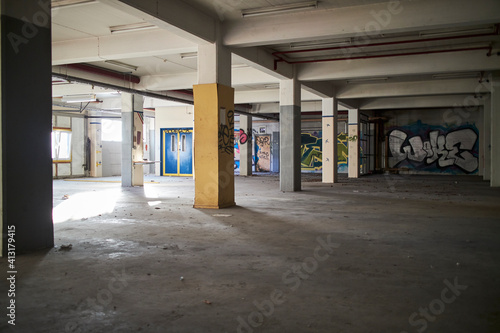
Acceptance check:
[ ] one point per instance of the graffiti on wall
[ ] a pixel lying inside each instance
(311, 155)
(450, 150)
(311, 151)
(226, 129)
(263, 153)
(243, 136)
(236, 149)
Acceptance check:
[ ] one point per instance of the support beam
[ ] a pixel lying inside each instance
(353, 159)
(495, 130)
(360, 21)
(487, 139)
(262, 60)
(214, 129)
(26, 126)
(290, 135)
(246, 145)
(132, 139)
(412, 88)
(466, 61)
(115, 47)
(172, 16)
(330, 157)
(450, 101)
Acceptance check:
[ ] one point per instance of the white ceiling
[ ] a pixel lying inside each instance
(81, 34)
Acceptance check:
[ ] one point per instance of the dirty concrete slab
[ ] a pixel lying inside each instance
(375, 254)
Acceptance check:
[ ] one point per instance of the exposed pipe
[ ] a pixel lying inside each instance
(104, 72)
(494, 33)
(280, 59)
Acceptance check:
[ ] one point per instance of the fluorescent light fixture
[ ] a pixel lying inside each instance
(79, 98)
(272, 86)
(317, 44)
(368, 80)
(121, 64)
(67, 3)
(117, 29)
(240, 66)
(456, 32)
(279, 9)
(456, 75)
(189, 55)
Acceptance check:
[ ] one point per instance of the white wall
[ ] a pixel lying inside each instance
(171, 117)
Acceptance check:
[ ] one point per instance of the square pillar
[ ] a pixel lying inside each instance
(214, 146)
(330, 157)
(132, 140)
(353, 143)
(26, 126)
(487, 139)
(245, 145)
(290, 135)
(214, 129)
(95, 136)
(495, 130)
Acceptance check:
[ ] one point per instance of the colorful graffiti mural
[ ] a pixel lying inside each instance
(450, 150)
(263, 153)
(311, 151)
(311, 155)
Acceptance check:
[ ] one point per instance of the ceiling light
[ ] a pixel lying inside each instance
(368, 79)
(456, 75)
(456, 32)
(79, 98)
(308, 45)
(272, 86)
(117, 29)
(279, 9)
(121, 64)
(67, 3)
(189, 55)
(240, 66)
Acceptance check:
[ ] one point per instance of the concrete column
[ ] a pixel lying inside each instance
(26, 125)
(330, 157)
(132, 139)
(481, 142)
(214, 129)
(353, 143)
(487, 139)
(495, 131)
(95, 135)
(245, 145)
(290, 135)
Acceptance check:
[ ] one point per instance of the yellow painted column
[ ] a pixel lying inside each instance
(213, 146)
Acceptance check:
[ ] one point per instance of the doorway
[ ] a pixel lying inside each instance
(177, 151)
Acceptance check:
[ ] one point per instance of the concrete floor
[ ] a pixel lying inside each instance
(377, 254)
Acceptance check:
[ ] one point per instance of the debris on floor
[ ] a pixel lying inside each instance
(207, 302)
(66, 247)
(65, 197)
(222, 215)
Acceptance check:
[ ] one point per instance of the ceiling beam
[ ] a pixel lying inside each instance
(465, 61)
(413, 88)
(360, 21)
(453, 101)
(175, 16)
(115, 47)
(264, 61)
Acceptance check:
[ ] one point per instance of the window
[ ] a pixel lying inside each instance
(61, 145)
(172, 142)
(183, 142)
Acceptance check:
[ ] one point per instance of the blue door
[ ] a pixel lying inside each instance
(177, 152)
